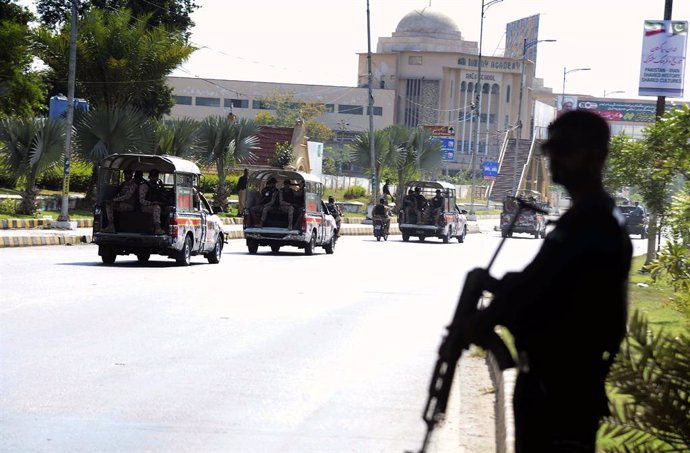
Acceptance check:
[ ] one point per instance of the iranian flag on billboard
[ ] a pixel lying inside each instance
(662, 67)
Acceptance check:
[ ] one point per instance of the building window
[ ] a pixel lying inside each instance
(378, 111)
(261, 105)
(415, 60)
(236, 103)
(330, 108)
(183, 100)
(208, 102)
(351, 109)
(508, 94)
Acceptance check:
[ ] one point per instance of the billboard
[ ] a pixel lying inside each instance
(662, 68)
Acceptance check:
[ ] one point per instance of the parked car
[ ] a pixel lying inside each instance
(189, 225)
(529, 221)
(419, 220)
(312, 226)
(636, 220)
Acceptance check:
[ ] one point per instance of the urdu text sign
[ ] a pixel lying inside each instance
(662, 67)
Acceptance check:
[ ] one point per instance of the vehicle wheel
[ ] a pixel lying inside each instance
(107, 255)
(421, 238)
(378, 238)
(143, 257)
(214, 256)
(461, 236)
(330, 246)
(309, 249)
(536, 234)
(406, 237)
(385, 236)
(446, 237)
(275, 248)
(252, 246)
(184, 256)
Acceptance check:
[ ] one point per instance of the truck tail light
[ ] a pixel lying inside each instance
(173, 225)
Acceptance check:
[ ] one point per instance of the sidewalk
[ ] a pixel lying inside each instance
(34, 232)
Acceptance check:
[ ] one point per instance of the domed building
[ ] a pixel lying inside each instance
(434, 72)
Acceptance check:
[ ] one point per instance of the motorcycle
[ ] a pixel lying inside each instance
(380, 229)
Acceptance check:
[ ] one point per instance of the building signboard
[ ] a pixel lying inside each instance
(662, 68)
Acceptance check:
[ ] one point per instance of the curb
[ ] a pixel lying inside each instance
(27, 241)
(47, 236)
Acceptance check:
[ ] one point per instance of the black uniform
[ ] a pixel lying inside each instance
(567, 311)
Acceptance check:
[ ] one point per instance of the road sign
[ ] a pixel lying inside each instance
(447, 148)
(490, 170)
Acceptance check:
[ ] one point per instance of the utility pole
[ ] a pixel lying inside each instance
(63, 218)
(477, 102)
(372, 149)
(660, 110)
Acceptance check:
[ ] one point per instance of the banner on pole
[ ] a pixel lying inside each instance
(662, 68)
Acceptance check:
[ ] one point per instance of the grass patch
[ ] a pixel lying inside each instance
(73, 214)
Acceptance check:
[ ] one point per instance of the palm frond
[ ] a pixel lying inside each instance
(652, 372)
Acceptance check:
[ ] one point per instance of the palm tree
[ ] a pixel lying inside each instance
(361, 153)
(102, 132)
(178, 137)
(426, 150)
(28, 148)
(224, 142)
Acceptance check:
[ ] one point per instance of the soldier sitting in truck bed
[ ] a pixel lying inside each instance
(124, 200)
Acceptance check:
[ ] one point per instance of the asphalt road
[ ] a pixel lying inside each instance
(260, 353)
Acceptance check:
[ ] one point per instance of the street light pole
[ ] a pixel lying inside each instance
(525, 45)
(564, 74)
(612, 92)
(478, 107)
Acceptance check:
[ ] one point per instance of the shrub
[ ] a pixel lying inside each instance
(8, 206)
(355, 192)
(209, 183)
(80, 175)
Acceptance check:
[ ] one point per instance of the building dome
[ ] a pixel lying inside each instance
(429, 24)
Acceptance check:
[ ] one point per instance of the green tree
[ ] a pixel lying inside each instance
(119, 60)
(22, 91)
(286, 111)
(29, 147)
(224, 143)
(283, 156)
(174, 14)
(651, 165)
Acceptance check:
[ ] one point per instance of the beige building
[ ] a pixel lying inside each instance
(346, 107)
(433, 72)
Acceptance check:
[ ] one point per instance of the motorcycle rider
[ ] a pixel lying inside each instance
(382, 211)
(334, 210)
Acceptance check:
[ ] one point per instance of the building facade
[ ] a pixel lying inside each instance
(198, 98)
(434, 73)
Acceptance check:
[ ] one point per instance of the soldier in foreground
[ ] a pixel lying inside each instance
(567, 309)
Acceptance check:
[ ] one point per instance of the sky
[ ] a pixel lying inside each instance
(317, 41)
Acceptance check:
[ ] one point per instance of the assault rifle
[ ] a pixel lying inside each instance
(456, 341)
